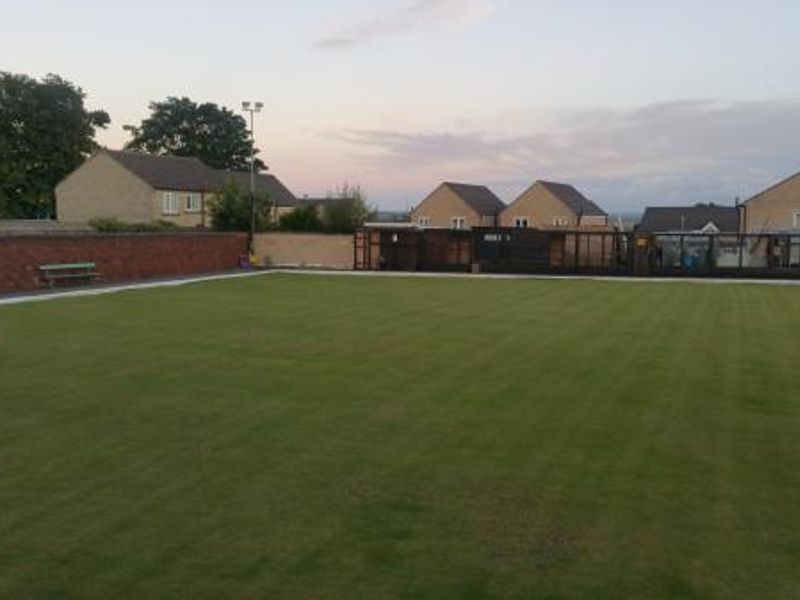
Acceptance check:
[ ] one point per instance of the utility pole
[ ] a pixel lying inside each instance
(252, 108)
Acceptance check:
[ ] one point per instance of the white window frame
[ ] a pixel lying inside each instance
(458, 223)
(194, 203)
(710, 227)
(169, 204)
(522, 222)
(424, 221)
(560, 221)
(796, 220)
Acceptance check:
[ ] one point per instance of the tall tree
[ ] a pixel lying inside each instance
(181, 127)
(45, 133)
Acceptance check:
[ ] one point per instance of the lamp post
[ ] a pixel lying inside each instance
(252, 108)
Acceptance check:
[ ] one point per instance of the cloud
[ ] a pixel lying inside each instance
(677, 152)
(405, 19)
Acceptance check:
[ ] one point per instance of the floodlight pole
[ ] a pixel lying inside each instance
(252, 108)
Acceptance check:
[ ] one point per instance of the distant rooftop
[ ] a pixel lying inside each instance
(690, 218)
(479, 197)
(577, 202)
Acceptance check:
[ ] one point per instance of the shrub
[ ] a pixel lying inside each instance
(302, 218)
(114, 225)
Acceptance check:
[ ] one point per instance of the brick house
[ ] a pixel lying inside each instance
(776, 209)
(458, 206)
(140, 188)
(549, 205)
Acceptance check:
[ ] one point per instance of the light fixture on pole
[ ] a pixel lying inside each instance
(252, 108)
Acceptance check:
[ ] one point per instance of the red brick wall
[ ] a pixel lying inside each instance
(122, 257)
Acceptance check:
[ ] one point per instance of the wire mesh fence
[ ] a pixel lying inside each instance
(601, 252)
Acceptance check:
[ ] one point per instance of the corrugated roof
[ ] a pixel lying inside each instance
(577, 202)
(690, 218)
(192, 175)
(479, 197)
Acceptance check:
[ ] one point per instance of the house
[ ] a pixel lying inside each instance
(701, 218)
(680, 243)
(776, 209)
(550, 205)
(458, 206)
(141, 188)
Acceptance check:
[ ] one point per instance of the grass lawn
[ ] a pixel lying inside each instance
(362, 438)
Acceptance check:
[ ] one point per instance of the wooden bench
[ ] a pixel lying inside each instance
(80, 272)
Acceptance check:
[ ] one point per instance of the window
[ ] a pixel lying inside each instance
(170, 204)
(192, 203)
(424, 221)
(797, 220)
(458, 223)
(521, 222)
(560, 221)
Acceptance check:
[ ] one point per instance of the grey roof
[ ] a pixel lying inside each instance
(480, 198)
(690, 218)
(192, 175)
(265, 183)
(308, 201)
(167, 172)
(577, 202)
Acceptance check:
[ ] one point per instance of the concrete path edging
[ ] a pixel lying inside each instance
(123, 287)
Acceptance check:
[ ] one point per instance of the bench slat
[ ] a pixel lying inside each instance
(65, 267)
(50, 276)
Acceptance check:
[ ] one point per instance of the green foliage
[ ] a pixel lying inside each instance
(346, 210)
(180, 127)
(45, 133)
(302, 218)
(114, 225)
(231, 209)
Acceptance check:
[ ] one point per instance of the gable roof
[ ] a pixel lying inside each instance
(772, 187)
(167, 172)
(690, 218)
(575, 201)
(478, 197)
(193, 175)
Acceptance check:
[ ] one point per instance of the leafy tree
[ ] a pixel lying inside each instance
(346, 210)
(302, 218)
(180, 127)
(231, 209)
(45, 133)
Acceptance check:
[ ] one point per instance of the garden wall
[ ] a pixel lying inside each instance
(119, 257)
(312, 250)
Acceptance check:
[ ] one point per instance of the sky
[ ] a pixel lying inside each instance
(636, 102)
